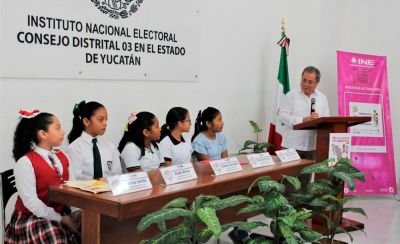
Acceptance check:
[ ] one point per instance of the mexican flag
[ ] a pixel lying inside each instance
(283, 87)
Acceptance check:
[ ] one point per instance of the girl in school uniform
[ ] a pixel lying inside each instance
(208, 142)
(173, 147)
(92, 156)
(39, 166)
(138, 146)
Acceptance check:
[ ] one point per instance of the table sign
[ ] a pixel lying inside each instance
(127, 183)
(225, 166)
(287, 155)
(260, 160)
(178, 173)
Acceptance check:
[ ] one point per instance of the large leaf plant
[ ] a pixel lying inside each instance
(324, 197)
(288, 225)
(200, 221)
(251, 146)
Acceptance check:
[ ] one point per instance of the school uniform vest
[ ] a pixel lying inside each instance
(45, 176)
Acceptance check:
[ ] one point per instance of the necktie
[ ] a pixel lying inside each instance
(98, 171)
(54, 165)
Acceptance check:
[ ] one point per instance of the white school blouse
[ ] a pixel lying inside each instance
(25, 181)
(178, 152)
(81, 164)
(131, 156)
(294, 107)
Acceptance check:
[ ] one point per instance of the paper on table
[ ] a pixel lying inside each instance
(93, 186)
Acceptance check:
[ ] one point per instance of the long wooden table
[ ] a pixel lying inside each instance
(113, 219)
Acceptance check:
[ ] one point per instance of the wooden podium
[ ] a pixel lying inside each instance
(325, 126)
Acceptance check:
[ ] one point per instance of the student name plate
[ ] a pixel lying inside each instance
(287, 155)
(260, 160)
(178, 173)
(225, 166)
(127, 183)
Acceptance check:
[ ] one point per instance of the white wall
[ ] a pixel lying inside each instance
(238, 67)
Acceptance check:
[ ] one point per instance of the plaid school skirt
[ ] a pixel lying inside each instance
(27, 228)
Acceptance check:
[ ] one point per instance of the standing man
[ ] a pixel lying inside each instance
(300, 106)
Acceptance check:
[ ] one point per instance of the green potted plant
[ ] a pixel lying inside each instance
(324, 197)
(199, 220)
(251, 146)
(288, 225)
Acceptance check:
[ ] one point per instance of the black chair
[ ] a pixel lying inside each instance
(8, 189)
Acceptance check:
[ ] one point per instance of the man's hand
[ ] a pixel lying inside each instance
(314, 115)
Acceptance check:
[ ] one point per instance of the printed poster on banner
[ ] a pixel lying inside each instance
(339, 145)
(363, 91)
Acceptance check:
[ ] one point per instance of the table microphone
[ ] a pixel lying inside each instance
(313, 105)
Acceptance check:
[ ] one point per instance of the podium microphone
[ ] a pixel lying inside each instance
(313, 105)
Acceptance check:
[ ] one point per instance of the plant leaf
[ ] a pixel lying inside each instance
(228, 202)
(162, 226)
(291, 240)
(285, 230)
(162, 215)
(171, 236)
(260, 147)
(326, 182)
(347, 178)
(319, 188)
(255, 126)
(330, 197)
(258, 199)
(204, 235)
(243, 225)
(316, 168)
(302, 215)
(286, 220)
(310, 235)
(249, 143)
(274, 200)
(301, 197)
(251, 208)
(293, 181)
(266, 186)
(209, 217)
(204, 198)
(176, 203)
(345, 161)
(355, 210)
(360, 176)
(259, 240)
(316, 202)
(341, 230)
(255, 181)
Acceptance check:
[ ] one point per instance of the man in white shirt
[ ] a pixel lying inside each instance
(295, 108)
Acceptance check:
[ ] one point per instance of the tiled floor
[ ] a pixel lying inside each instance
(381, 227)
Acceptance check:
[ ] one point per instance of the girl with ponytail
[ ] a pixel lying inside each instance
(138, 146)
(173, 146)
(208, 142)
(92, 156)
(39, 165)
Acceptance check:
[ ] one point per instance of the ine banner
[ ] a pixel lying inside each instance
(363, 91)
(100, 39)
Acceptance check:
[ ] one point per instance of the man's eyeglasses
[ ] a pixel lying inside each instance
(310, 82)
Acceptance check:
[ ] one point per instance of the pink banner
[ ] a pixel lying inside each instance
(363, 91)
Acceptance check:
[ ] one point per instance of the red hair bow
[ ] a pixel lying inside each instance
(27, 114)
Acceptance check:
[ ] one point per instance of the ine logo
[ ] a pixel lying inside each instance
(362, 61)
(117, 9)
